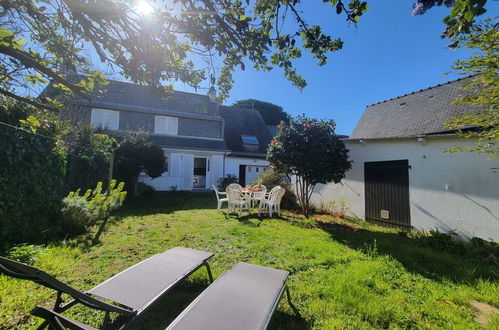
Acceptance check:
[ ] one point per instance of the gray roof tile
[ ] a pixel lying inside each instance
(419, 113)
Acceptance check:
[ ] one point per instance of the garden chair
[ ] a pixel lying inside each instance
(233, 186)
(237, 201)
(131, 292)
(219, 199)
(272, 202)
(258, 195)
(244, 297)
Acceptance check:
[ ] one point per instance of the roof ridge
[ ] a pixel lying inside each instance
(421, 90)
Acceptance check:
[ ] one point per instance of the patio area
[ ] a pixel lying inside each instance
(347, 275)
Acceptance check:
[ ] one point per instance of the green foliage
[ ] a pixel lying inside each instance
(32, 169)
(272, 178)
(272, 114)
(310, 150)
(136, 154)
(224, 182)
(336, 208)
(80, 212)
(25, 253)
(89, 157)
(482, 92)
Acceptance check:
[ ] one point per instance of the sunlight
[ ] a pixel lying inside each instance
(143, 7)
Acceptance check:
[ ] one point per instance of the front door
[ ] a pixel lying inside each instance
(387, 192)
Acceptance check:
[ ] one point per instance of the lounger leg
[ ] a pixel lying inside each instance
(209, 271)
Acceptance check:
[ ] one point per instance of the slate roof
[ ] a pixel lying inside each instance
(188, 143)
(241, 121)
(419, 113)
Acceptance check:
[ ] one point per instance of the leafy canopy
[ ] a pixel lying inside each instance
(482, 92)
(272, 114)
(179, 40)
(310, 150)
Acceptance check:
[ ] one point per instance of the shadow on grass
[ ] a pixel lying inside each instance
(415, 258)
(167, 202)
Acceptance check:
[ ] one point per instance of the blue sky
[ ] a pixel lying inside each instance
(388, 54)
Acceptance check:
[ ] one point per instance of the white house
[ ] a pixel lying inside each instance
(401, 174)
(202, 141)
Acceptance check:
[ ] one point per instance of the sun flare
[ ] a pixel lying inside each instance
(143, 7)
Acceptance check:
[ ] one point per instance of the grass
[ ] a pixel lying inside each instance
(353, 275)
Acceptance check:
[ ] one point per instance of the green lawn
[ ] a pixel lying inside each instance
(343, 278)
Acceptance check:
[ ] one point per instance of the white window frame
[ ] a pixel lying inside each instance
(105, 118)
(166, 125)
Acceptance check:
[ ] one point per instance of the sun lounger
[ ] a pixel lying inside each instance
(244, 297)
(133, 290)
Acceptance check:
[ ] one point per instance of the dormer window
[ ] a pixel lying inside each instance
(250, 143)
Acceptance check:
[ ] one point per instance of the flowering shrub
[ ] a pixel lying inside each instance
(80, 212)
(310, 150)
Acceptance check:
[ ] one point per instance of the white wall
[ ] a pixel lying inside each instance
(232, 164)
(181, 170)
(446, 191)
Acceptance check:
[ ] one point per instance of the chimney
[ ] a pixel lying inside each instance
(212, 94)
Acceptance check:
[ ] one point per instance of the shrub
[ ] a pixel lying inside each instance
(25, 253)
(224, 182)
(136, 154)
(144, 189)
(80, 212)
(272, 178)
(32, 169)
(89, 157)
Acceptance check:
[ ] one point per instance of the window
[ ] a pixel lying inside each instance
(249, 139)
(166, 125)
(104, 118)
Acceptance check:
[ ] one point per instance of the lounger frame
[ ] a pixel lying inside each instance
(59, 322)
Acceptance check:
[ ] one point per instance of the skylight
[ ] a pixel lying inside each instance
(249, 139)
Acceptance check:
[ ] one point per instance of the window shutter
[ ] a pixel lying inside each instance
(172, 126)
(160, 124)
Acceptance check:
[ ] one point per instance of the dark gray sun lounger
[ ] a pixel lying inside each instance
(244, 297)
(133, 290)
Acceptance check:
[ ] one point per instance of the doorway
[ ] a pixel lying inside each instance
(200, 170)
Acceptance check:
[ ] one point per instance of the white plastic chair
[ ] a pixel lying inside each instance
(233, 186)
(236, 201)
(258, 195)
(272, 202)
(219, 199)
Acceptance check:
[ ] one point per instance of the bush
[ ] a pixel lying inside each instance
(272, 178)
(80, 212)
(223, 183)
(144, 189)
(25, 253)
(32, 170)
(89, 157)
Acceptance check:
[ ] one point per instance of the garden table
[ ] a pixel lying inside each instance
(249, 194)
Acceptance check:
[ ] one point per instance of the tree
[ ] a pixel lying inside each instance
(272, 114)
(40, 40)
(482, 92)
(136, 154)
(311, 151)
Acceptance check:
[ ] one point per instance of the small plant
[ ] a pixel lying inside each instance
(25, 253)
(336, 208)
(272, 178)
(223, 183)
(80, 212)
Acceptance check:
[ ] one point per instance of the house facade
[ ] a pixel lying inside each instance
(190, 128)
(402, 175)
